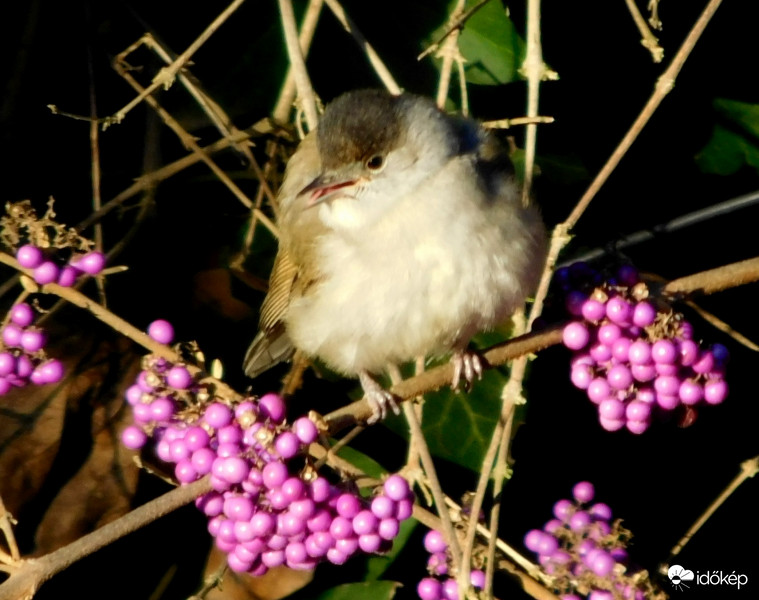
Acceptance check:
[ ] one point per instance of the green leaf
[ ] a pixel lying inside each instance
(373, 590)
(489, 43)
(360, 460)
(458, 426)
(735, 139)
(377, 565)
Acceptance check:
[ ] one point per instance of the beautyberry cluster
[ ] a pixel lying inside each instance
(22, 355)
(263, 510)
(46, 270)
(635, 359)
(439, 586)
(585, 552)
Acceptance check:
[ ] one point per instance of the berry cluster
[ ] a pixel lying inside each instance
(263, 511)
(22, 355)
(584, 551)
(634, 359)
(439, 586)
(45, 270)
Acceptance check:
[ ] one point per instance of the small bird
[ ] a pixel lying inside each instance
(402, 234)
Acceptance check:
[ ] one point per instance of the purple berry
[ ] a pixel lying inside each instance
(263, 524)
(347, 505)
(618, 310)
(688, 351)
(579, 521)
(22, 314)
(599, 390)
(7, 363)
(434, 542)
(185, 472)
(287, 444)
(601, 353)
(704, 364)
(305, 429)
(690, 392)
(609, 333)
(715, 391)
(272, 406)
(644, 314)
(91, 263)
(51, 371)
(583, 492)
(667, 401)
(574, 302)
(396, 488)
(133, 437)
(611, 424)
(12, 335)
(611, 408)
(217, 415)
(593, 310)
(620, 350)
(562, 510)
(643, 373)
(161, 331)
(29, 257)
(47, 272)
(637, 410)
(429, 589)
(637, 427)
(202, 460)
(67, 276)
(274, 474)
(581, 376)
(664, 351)
(640, 352)
(179, 377)
(619, 377)
(388, 528)
(576, 335)
(161, 409)
(365, 522)
(668, 385)
(370, 542)
(383, 507)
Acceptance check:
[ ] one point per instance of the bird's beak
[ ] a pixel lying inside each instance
(326, 186)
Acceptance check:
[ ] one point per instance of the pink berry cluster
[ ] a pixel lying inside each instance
(637, 360)
(263, 511)
(440, 586)
(22, 355)
(584, 551)
(46, 270)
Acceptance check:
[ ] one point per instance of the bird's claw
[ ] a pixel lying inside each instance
(468, 364)
(379, 399)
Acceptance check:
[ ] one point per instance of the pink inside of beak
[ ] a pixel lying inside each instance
(326, 190)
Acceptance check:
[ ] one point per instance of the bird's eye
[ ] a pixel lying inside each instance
(375, 163)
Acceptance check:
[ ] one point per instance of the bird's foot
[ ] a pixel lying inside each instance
(467, 364)
(379, 399)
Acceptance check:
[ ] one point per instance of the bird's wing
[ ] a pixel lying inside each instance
(272, 344)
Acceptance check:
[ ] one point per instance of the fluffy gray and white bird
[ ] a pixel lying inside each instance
(402, 234)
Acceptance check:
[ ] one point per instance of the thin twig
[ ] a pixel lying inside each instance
(449, 52)
(287, 94)
(663, 86)
(95, 168)
(648, 39)
(508, 123)
(306, 95)
(166, 75)
(34, 572)
(707, 282)
(6, 526)
(189, 142)
(379, 67)
(718, 323)
(261, 128)
(437, 491)
(453, 25)
(534, 70)
(749, 468)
